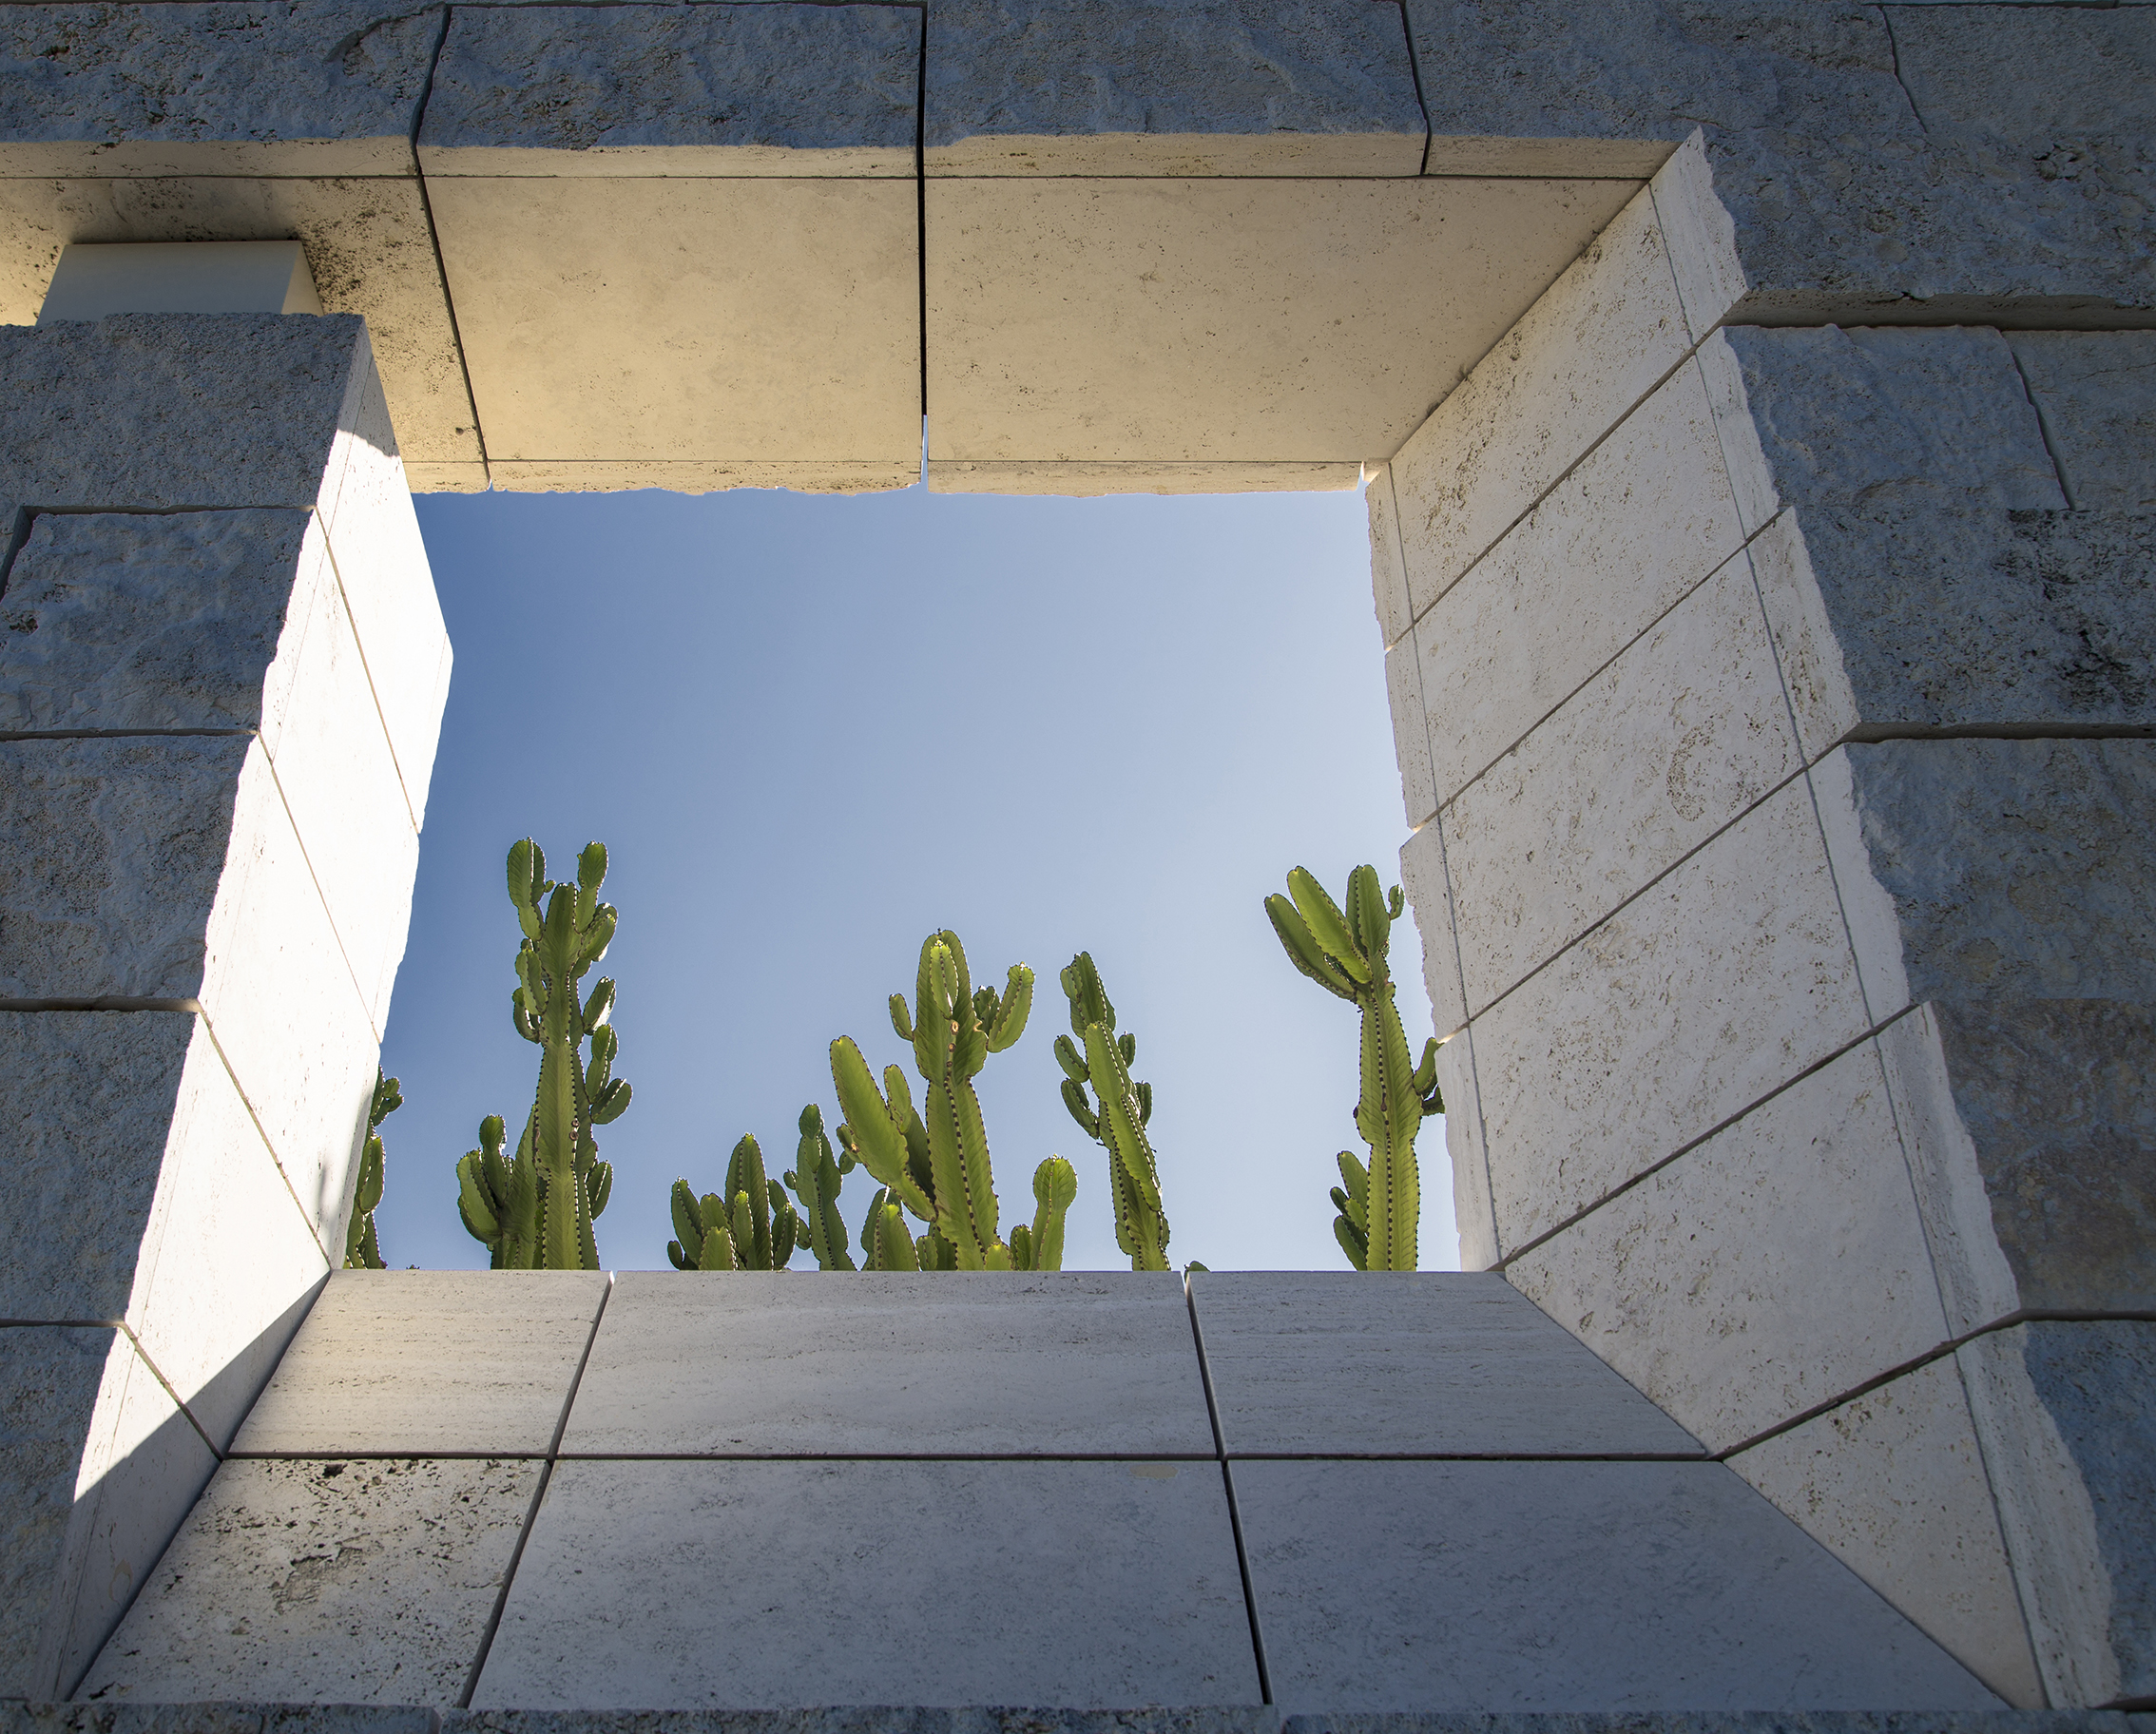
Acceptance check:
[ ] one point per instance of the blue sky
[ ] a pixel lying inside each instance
(813, 730)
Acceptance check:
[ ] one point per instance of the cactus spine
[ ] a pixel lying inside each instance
(1117, 1118)
(934, 1161)
(535, 1210)
(362, 1251)
(1345, 954)
(749, 1226)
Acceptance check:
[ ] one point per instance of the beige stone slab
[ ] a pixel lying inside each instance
(1087, 480)
(1683, 732)
(600, 475)
(1411, 732)
(428, 1363)
(1605, 554)
(1701, 237)
(1422, 875)
(1410, 1363)
(1893, 1484)
(446, 478)
(582, 346)
(1773, 1268)
(1203, 321)
(369, 248)
(341, 1582)
(892, 1363)
(1473, 1211)
(1724, 980)
(1579, 358)
(1388, 562)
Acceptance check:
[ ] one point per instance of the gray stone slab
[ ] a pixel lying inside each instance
(1714, 1722)
(1340, 1365)
(354, 1581)
(132, 621)
(428, 1363)
(1969, 73)
(327, 88)
(1151, 86)
(1536, 1586)
(2096, 392)
(888, 1363)
(865, 1718)
(215, 1719)
(767, 1584)
(773, 88)
(49, 1385)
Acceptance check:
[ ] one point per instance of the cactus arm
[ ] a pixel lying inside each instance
(894, 1246)
(1017, 1005)
(1067, 1057)
(1021, 1246)
(1056, 1187)
(1303, 950)
(1074, 1099)
(720, 1252)
(1352, 1242)
(878, 1128)
(1389, 1112)
(1333, 930)
(1127, 1140)
(958, 1215)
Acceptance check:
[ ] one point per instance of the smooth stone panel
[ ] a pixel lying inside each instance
(1773, 1268)
(1935, 618)
(1498, 1587)
(891, 1363)
(1663, 1022)
(1147, 88)
(1341, 1364)
(1180, 320)
(367, 1582)
(1893, 1484)
(764, 90)
(662, 1584)
(1684, 731)
(329, 89)
(481, 1365)
(2096, 393)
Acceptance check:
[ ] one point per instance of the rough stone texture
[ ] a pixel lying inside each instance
(1657, 1027)
(1411, 731)
(1892, 1483)
(483, 1364)
(1769, 1270)
(648, 1584)
(888, 1363)
(215, 1719)
(1152, 87)
(770, 89)
(1199, 322)
(1628, 533)
(873, 1718)
(1425, 1365)
(1902, 621)
(1723, 1722)
(280, 1585)
(1089, 478)
(2064, 1412)
(1573, 365)
(1532, 1586)
(2096, 396)
(330, 88)
(1388, 560)
(1677, 737)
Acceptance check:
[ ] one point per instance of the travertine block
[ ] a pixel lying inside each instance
(2096, 393)
(1677, 737)
(1893, 1484)
(889, 1363)
(1543, 1586)
(1090, 478)
(2062, 1410)
(1338, 1363)
(344, 1582)
(184, 277)
(765, 89)
(1901, 621)
(1084, 1583)
(1657, 1024)
(1388, 563)
(220, 90)
(701, 475)
(1422, 875)
(1590, 347)
(217, 1719)
(1411, 732)
(1247, 88)
(483, 1361)
(1605, 553)
(1770, 1269)
(1474, 1213)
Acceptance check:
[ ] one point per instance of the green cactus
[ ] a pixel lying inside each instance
(815, 1178)
(1117, 1119)
(362, 1251)
(933, 1161)
(749, 1226)
(1346, 955)
(536, 1211)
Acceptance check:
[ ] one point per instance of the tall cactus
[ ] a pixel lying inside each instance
(815, 1178)
(362, 1251)
(934, 1161)
(536, 1211)
(749, 1226)
(1117, 1118)
(1346, 955)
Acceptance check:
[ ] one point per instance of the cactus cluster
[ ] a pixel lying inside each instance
(535, 1210)
(933, 1161)
(1116, 1114)
(752, 1225)
(1345, 953)
(362, 1251)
